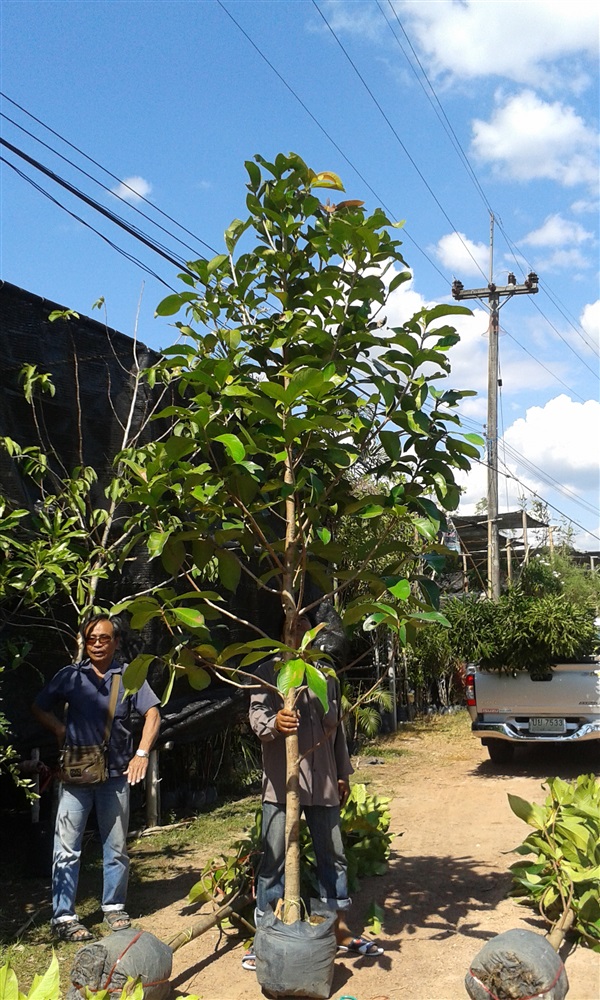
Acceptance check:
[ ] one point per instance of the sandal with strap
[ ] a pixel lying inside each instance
(361, 946)
(117, 920)
(72, 931)
(249, 960)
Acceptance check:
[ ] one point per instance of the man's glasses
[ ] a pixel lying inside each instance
(102, 640)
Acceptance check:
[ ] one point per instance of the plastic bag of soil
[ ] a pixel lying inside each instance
(517, 965)
(296, 960)
(107, 965)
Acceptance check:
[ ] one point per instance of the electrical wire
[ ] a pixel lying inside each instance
(104, 187)
(330, 138)
(434, 101)
(114, 246)
(105, 170)
(511, 475)
(399, 140)
(131, 230)
(575, 325)
(447, 126)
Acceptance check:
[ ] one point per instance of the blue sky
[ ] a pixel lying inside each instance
(438, 111)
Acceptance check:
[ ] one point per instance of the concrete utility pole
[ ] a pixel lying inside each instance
(493, 293)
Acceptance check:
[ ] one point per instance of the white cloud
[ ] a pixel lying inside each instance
(528, 138)
(590, 320)
(557, 231)
(461, 256)
(584, 206)
(563, 260)
(537, 43)
(133, 189)
(561, 438)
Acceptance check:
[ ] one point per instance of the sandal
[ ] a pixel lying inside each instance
(117, 920)
(249, 960)
(72, 931)
(361, 946)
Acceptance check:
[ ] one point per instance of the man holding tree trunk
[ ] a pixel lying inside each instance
(325, 770)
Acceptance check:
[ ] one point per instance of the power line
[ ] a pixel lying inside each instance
(104, 187)
(114, 246)
(105, 170)
(329, 137)
(510, 475)
(542, 365)
(447, 126)
(574, 324)
(434, 101)
(396, 135)
(131, 230)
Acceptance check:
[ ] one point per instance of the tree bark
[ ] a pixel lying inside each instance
(292, 905)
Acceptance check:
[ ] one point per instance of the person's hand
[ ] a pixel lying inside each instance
(286, 721)
(137, 769)
(29, 769)
(343, 790)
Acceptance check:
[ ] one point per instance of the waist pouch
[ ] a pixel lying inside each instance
(84, 765)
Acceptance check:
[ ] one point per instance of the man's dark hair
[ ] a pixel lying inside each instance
(88, 623)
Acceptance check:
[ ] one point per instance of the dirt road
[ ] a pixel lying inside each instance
(444, 894)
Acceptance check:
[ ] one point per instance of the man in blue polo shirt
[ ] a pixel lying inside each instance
(85, 688)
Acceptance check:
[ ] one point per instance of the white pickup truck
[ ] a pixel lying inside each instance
(509, 710)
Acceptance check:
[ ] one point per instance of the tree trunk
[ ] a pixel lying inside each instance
(556, 936)
(292, 906)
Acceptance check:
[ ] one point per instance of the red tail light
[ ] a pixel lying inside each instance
(470, 689)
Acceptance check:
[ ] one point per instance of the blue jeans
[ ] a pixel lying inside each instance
(324, 825)
(111, 799)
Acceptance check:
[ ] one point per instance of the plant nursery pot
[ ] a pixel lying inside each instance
(296, 959)
(106, 965)
(517, 965)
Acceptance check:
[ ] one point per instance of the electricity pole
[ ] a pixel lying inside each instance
(494, 293)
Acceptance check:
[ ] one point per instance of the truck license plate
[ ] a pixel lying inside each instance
(540, 725)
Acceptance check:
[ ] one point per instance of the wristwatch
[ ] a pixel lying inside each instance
(142, 753)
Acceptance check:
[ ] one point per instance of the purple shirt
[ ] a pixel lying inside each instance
(87, 696)
(320, 736)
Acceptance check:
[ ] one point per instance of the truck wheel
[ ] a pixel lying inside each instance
(500, 751)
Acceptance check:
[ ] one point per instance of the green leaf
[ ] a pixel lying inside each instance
(400, 590)
(173, 555)
(189, 617)
(317, 683)
(290, 675)
(9, 989)
(531, 813)
(173, 303)
(136, 672)
(47, 987)
(233, 446)
(197, 677)
(229, 569)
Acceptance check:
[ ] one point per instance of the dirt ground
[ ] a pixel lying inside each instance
(444, 894)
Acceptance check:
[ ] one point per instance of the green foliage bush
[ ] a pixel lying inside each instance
(365, 833)
(521, 632)
(565, 870)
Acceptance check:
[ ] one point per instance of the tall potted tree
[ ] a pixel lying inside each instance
(288, 377)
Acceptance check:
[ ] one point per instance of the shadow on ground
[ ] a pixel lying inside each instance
(547, 761)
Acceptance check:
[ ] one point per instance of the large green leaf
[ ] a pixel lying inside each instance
(531, 813)
(233, 446)
(136, 672)
(189, 617)
(317, 683)
(290, 675)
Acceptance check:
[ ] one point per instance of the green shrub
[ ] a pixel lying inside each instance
(565, 871)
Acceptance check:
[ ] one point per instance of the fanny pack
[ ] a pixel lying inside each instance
(88, 765)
